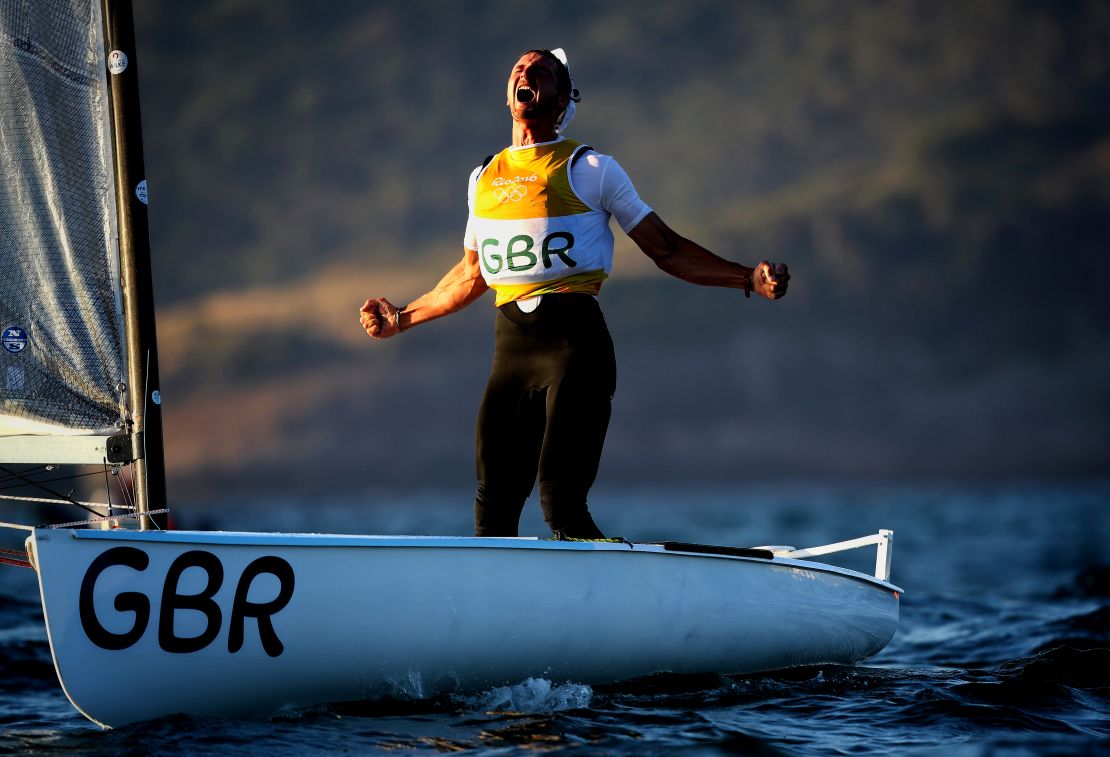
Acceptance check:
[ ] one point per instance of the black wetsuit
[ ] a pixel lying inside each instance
(544, 415)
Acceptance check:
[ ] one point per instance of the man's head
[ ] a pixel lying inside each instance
(539, 87)
(562, 73)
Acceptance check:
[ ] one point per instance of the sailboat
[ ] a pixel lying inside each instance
(144, 622)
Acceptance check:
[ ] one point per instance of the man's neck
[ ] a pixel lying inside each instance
(525, 134)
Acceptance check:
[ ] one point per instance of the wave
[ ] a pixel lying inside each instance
(532, 696)
(1090, 582)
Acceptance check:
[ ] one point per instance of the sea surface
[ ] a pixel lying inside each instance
(1003, 646)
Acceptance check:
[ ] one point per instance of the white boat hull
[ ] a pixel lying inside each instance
(146, 624)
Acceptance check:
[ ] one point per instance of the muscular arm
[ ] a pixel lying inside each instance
(458, 288)
(691, 262)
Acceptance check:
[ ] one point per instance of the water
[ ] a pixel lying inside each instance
(1003, 647)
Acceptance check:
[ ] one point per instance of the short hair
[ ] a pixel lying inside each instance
(562, 73)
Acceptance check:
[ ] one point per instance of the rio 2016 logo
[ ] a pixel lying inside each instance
(512, 190)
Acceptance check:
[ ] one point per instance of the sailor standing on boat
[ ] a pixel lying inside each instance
(538, 235)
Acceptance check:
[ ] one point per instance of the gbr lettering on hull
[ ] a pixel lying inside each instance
(171, 600)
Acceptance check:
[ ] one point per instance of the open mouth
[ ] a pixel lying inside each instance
(525, 95)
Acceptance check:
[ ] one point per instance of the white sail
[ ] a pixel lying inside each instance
(62, 364)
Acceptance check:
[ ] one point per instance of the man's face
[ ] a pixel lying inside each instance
(533, 91)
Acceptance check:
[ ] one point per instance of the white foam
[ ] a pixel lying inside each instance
(407, 686)
(533, 695)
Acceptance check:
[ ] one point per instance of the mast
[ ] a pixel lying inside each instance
(134, 249)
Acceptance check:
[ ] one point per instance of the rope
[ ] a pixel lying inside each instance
(46, 489)
(103, 518)
(11, 476)
(14, 557)
(62, 499)
(67, 477)
(560, 536)
(48, 501)
(74, 524)
(123, 485)
(108, 487)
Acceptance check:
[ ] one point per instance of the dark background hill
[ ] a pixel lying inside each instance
(936, 174)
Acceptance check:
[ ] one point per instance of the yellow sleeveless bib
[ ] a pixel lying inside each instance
(535, 235)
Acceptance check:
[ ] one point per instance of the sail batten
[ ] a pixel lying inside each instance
(62, 362)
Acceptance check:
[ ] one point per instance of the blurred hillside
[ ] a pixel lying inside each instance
(937, 176)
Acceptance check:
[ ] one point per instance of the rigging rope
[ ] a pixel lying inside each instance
(123, 485)
(76, 523)
(47, 469)
(103, 518)
(108, 488)
(117, 471)
(48, 490)
(48, 501)
(31, 472)
(14, 557)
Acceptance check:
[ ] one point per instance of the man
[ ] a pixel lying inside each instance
(538, 235)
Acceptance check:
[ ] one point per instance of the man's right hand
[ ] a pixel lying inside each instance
(379, 318)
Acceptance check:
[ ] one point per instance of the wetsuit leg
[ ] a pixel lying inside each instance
(545, 412)
(508, 440)
(510, 428)
(578, 411)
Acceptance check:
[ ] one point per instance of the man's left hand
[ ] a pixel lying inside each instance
(770, 279)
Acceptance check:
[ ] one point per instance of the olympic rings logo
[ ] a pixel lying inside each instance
(514, 193)
(512, 190)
